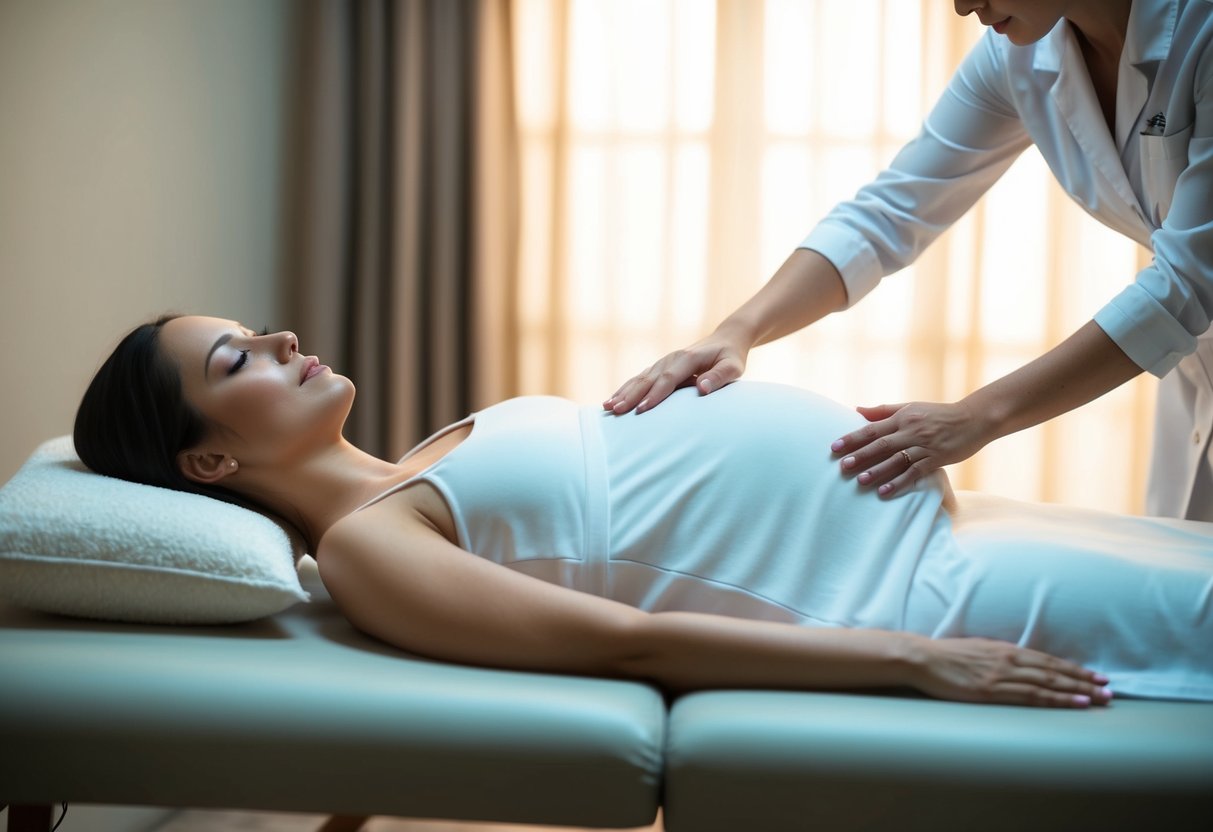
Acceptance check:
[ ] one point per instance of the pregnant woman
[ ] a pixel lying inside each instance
(707, 544)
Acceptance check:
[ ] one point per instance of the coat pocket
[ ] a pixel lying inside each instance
(1163, 159)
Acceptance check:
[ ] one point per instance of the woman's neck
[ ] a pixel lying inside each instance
(316, 491)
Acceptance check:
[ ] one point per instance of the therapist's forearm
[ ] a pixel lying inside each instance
(804, 289)
(1080, 369)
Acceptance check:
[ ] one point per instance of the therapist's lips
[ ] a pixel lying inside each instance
(1000, 26)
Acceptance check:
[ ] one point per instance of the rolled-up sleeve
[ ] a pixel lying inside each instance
(1157, 319)
(967, 142)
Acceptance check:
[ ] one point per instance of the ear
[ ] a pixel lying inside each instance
(206, 468)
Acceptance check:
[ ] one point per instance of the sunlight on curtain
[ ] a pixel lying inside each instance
(675, 151)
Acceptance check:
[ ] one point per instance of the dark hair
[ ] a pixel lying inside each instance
(134, 419)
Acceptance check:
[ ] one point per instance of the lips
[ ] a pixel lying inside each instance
(311, 367)
(1000, 26)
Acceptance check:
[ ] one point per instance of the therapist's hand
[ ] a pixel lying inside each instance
(905, 442)
(709, 364)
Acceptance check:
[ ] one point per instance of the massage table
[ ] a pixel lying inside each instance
(300, 712)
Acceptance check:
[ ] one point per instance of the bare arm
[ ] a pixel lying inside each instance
(1080, 369)
(805, 289)
(407, 585)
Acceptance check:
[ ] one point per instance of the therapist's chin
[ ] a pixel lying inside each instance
(1021, 34)
(1021, 41)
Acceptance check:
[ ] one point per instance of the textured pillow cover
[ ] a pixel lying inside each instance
(77, 543)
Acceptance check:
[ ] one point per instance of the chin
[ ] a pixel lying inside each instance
(1020, 40)
(346, 402)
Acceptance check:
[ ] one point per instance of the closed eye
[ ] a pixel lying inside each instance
(240, 362)
(243, 359)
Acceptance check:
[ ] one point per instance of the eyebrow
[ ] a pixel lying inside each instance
(219, 342)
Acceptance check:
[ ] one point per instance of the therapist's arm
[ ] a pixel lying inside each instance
(970, 138)
(1080, 369)
(805, 289)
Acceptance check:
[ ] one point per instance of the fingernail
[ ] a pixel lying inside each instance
(865, 478)
(1099, 679)
(836, 445)
(887, 488)
(849, 462)
(1106, 694)
(705, 384)
(643, 406)
(618, 407)
(1081, 700)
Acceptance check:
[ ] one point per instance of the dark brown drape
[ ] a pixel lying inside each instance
(403, 214)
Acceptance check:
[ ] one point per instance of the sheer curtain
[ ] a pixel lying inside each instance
(673, 152)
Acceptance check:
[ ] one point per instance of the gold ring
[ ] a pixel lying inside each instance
(906, 456)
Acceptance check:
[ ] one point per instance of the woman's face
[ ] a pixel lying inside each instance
(1022, 21)
(265, 401)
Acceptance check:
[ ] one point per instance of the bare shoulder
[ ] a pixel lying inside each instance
(378, 560)
(367, 542)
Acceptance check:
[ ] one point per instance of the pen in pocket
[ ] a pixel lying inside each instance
(1156, 125)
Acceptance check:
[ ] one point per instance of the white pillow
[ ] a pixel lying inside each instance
(77, 543)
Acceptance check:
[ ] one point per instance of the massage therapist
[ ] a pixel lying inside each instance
(1118, 98)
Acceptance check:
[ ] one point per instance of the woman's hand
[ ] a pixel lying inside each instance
(905, 442)
(709, 364)
(997, 672)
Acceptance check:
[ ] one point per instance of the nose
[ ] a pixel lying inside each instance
(964, 7)
(285, 345)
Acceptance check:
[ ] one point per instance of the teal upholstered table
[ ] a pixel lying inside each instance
(815, 761)
(301, 713)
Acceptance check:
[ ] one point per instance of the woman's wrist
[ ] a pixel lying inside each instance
(912, 658)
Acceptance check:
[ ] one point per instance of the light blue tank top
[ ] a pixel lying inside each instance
(733, 504)
(730, 503)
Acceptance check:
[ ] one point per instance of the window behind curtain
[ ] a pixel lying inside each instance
(674, 152)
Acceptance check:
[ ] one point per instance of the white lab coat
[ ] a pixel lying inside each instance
(1155, 189)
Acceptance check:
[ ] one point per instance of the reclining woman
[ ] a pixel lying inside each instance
(709, 544)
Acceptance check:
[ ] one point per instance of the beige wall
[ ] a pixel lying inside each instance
(141, 170)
